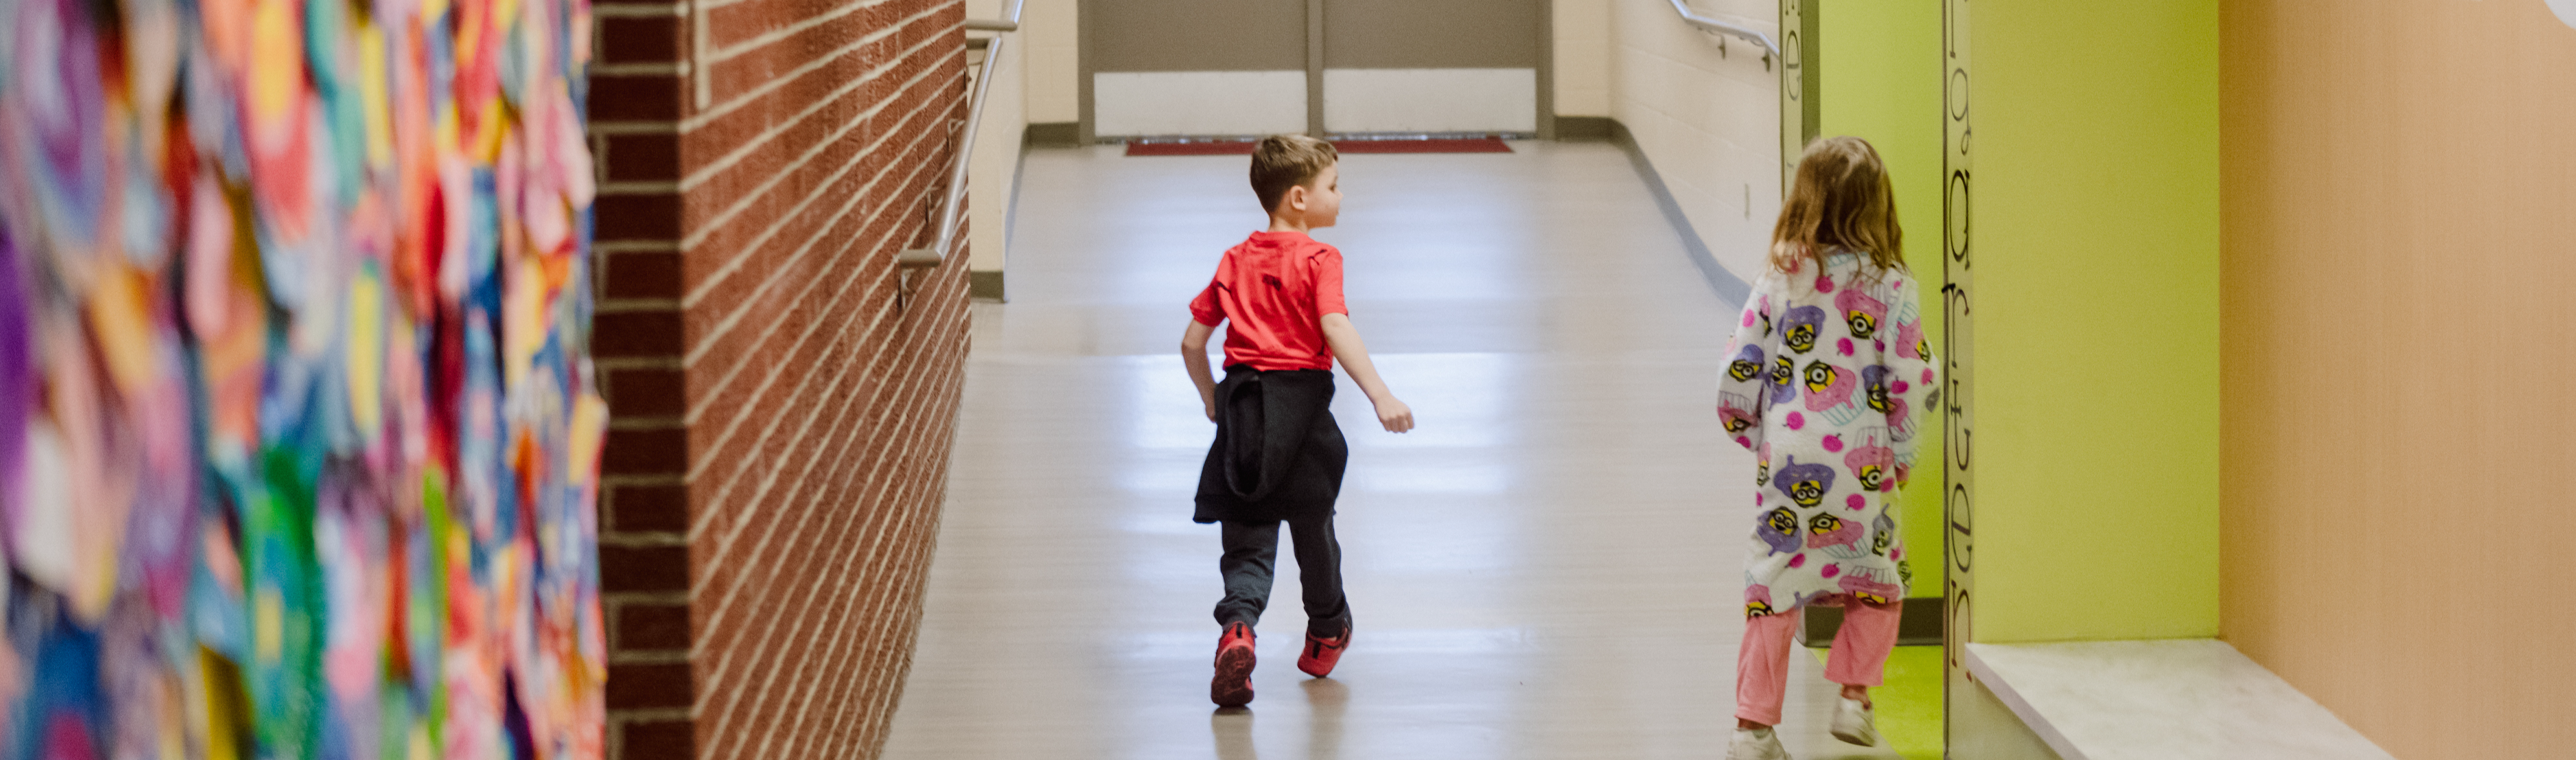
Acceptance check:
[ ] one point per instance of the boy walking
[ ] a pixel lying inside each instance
(1278, 455)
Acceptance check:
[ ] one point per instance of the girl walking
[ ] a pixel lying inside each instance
(1825, 376)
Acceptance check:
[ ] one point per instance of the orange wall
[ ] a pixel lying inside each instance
(2398, 364)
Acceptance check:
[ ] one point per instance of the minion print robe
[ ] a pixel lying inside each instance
(1825, 380)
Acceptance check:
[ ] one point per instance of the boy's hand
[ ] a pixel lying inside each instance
(1344, 340)
(1211, 408)
(1394, 415)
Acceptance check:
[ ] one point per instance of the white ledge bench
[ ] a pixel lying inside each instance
(2158, 700)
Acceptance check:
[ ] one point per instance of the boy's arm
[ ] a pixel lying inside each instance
(1344, 339)
(1194, 357)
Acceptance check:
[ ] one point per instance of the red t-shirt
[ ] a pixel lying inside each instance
(1277, 287)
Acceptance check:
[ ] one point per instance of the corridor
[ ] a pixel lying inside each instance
(1547, 567)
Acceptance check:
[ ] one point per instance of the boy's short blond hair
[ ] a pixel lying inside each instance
(1285, 161)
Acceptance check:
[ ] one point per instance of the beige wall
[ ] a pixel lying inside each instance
(1053, 34)
(1710, 124)
(2399, 364)
(997, 141)
(1580, 30)
(1036, 81)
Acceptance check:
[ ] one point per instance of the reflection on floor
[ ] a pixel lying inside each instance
(1549, 567)
(1909, 702)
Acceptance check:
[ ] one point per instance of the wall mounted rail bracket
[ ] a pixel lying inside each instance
(1770, 50)
(953, 203)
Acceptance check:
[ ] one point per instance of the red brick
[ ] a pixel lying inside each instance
(643, 158)
(840, 402)
(645, 393)
(737, 347)
(639, 39)
(780, 638)
(647, 508)
(722, 402)
(751, 173)
(642, 626)
(641, 275)
(634, 334)
(728, 26)
(838, 454)
(839, 521)
(637, 216)
(645, 452)
(648, 685)
(658, 740)
(891, 232)
(750, 68)
(746, 118)
(634, 97)
(643, 568)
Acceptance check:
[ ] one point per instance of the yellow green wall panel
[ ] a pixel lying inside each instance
(1879, 79)
(2095, 248)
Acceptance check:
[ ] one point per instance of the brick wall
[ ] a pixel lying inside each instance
(783, 395)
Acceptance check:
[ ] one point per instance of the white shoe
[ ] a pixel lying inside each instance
(1855, 723)
(1756, 744)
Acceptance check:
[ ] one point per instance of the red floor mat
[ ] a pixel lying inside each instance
(1469, 145)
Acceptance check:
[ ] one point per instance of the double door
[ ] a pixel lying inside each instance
(1249, 67)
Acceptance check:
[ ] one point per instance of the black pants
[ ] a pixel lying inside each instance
(1251, 553)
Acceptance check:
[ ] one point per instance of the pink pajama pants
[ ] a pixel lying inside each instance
(1859, 657)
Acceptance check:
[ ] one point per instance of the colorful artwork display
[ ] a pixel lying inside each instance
(299, 445)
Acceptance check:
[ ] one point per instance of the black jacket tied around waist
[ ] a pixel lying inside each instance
(1278, 453)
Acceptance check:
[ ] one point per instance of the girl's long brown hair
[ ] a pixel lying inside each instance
(1842, 198)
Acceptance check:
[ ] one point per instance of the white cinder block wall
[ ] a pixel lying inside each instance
(1581, 32)
(1053, 34)
(1709, 123)
(1035, 82)
(997, 145)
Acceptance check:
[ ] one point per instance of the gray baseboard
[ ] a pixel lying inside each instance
(1054, 134)
(1731, 289)
(1584, 128)
(1920, 626)
(984, 285)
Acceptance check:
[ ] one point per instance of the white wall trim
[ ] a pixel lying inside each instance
(1431, 100)
(1132, 104)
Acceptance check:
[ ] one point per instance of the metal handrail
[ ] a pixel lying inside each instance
(1707, 24)
(949, 206)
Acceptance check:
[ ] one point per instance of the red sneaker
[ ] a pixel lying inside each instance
(1322, 653)
(1233, 684)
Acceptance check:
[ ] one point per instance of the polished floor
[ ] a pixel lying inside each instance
(1548, 567)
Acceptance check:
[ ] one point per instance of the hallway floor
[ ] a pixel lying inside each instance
(1547, 567)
